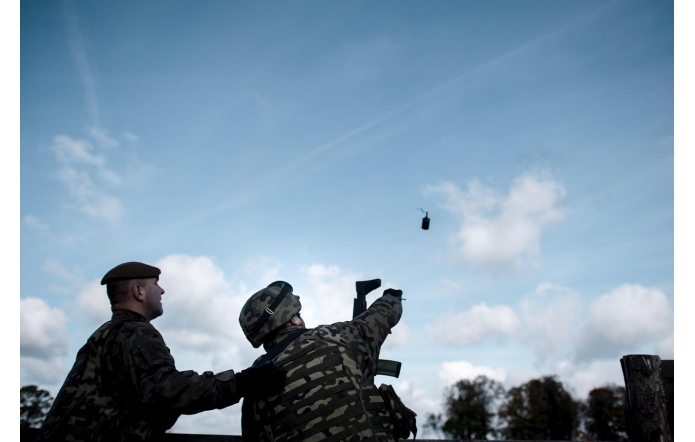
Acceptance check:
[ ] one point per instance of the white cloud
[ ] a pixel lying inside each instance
(93, 302)
(110, 177)
(550, 318)
(34, 223)
(265, 270)
(399, 335)
(624, 320)
(631, 313)
(131, 138)
(70, 151)
(56, 269)
(89, 198)
(559, 325)
(47, 374)
(201, 308)
(43, 333)
(665, 349)
(329, 296)
(79, 165)
(475, 325)
(419, 398)
(102, 137)
(453, 371)
(500, 232)
(78, 183)
(104, 206)
(584, 378)
(577, 379)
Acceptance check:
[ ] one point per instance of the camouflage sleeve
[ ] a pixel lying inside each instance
(368, 331)
(377, 321)
(157, 383)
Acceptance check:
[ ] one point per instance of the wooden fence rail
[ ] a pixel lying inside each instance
(29, 434)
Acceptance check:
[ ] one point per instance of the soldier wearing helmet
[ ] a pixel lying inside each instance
(329, 393)
(124, 385)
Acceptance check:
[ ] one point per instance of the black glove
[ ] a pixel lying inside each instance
(394, 292)
(259, 382)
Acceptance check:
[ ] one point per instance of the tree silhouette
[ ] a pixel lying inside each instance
(34, 403)
(606, 413)
(540, 409)
(469, 409)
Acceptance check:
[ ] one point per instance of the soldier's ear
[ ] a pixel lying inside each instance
(138, 292)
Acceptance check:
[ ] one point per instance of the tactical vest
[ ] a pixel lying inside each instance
(324, 398)
(81, 408)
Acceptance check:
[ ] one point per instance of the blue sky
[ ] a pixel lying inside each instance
(239, 143)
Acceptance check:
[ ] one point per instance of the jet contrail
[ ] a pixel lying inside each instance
(240, 198)
(440, 89)
(78, 52)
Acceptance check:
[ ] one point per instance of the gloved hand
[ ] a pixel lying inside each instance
(393, 292)
(259, 382)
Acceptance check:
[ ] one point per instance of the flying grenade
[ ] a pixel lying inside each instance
(425, 221)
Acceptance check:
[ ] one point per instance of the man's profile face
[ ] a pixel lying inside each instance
(153, 298)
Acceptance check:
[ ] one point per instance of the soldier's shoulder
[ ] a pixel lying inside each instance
(139, 330)
(340, 332)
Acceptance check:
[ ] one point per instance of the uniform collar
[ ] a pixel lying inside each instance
(122, 315)
(282, 334)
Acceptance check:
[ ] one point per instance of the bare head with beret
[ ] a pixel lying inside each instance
(124, 384)
(134, 286)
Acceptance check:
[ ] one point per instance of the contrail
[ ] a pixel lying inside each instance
(243, 197)
(78, 52)
(441, 88)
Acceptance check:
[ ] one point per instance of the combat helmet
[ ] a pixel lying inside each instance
(267, 310)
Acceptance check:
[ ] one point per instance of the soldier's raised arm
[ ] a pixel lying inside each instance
(377, 321)
(367, 332)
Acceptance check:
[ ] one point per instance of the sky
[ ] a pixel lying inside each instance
(238, 143)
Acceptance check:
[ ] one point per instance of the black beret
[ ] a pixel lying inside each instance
(130, 270)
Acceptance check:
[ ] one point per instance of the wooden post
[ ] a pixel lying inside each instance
(667, 376)
(646, 398)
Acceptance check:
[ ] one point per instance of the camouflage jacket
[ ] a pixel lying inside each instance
(124, 386)
(328, 367)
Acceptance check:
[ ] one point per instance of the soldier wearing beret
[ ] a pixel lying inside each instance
(124, 385)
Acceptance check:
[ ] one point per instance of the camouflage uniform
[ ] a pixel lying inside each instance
(329, 393)
(124, 386)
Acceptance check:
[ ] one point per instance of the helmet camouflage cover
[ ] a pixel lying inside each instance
(264, 312)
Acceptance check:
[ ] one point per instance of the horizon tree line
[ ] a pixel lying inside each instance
(540, 409)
